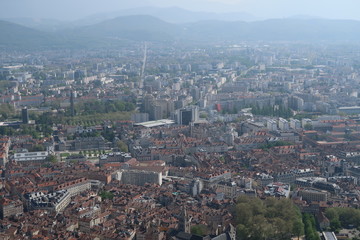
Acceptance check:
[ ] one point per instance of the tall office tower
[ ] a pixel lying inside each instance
(188, 115)
(72, 108)
(25, 115)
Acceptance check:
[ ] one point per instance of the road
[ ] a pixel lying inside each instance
(143, 65)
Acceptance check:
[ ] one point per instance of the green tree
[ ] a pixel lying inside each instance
(269, 219)
(51, 158)
(242, 232)
(298, 228)
(37, 148)
(335, 225)
(200, 230)
(122, 146)
(106, 195)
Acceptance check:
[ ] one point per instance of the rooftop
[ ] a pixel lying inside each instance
(157, 123)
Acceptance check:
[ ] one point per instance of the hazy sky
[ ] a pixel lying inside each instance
(76, 9)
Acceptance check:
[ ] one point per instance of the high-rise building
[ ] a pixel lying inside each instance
(188, 115)
(25, 116)
(271, 125)
(295, 124)
(140, 117)
(72, 108)
(283, 124)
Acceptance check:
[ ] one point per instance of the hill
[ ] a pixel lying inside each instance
(276, 30)
(170, 14)
(137, 28)
(17, 36)
(122, 30)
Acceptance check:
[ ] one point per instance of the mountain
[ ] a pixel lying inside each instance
(41, 24)
(275, 30)
(147, 28)
(171, 15)
(138, 28)
(122, 30)
(17, 36)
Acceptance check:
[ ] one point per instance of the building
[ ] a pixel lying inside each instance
(75, 187)
(4, 150)
(55, 201)
(295, 124)
(141, 177)
(160, 108)
(188, 115)
(291, 176)
(329, 236)
(114, 157)
(306, 122)
(140, 117)
(88, 143)
(278, 189)
(25, 116)
(350, 110)
(313, 195)
(271, 125)
(10, 208)
(229, 189)
(307, 181)
(296, 103)
(265, 179)
(86, 224)
(284, 124)
(157, 123)
(72, 107)
(31, 157)
(197, 186)
(331, 187)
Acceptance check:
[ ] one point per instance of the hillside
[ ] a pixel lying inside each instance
(117, 31)
(17, 36)
(138, 28)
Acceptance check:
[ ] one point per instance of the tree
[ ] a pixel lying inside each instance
(51, 158)
(269, 219)
(97, 83)
(310, 229)
(298, 228)
(122, 146)
(335, 225)
(242, 232)
(37, 148)
(106, 195)
(200, 230)
(308, 126)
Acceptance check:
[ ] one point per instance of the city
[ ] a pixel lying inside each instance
(179, 140)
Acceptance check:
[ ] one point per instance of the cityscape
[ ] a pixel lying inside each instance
(171, 134)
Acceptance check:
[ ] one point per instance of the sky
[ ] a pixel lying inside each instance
(77, 9)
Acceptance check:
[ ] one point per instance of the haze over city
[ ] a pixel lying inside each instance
(179, 119)
(260, 9)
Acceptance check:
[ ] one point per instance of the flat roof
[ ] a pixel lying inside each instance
(157, 123)
(6, 124)
(348, 108)
(329, 236)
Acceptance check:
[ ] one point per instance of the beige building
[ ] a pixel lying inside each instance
(10, 208)
(313, 195)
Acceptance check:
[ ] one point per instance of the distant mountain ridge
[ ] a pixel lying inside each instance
(149, 28)
(278, 30)
(139, 27)
(17, 36)
(171, 14)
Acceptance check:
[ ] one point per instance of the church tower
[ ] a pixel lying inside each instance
(184, 221)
